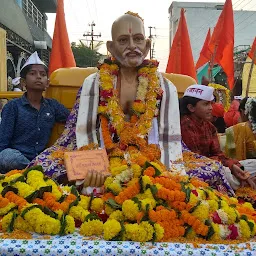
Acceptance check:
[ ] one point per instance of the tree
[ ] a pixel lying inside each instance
(85, 56)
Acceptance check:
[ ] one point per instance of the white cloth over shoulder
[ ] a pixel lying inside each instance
(87, 112)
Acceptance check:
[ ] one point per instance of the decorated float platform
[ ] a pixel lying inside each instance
(152, 214)
(75, 244)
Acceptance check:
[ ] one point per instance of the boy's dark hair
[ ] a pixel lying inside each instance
(242, 104)
(25, 70)
(183, 102)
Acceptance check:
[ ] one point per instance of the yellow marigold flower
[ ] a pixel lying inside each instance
(117, 170)
(97, 205)
(147, 194)
(115, 161)
(213, 204)
(35, 179)
(7, 208)
(84, 202)
(78, 212)
(130, 209)
(91, 227)
(108, 209)
(201, 194)
(55, 189)
(212, 195)
(132, 182)
(232, 214)
(117, 215)
(159, 230)
(254, 227)
(244, 229)
(108, 181)
(148, 201)
(146, 181)
(149, 230)
(65, 189)
(234, 200)
(24, 189)
(115, 188)
(1, 188)
(32, 215)
(202, 211)
(132, 231)
(139, 107)
(60, 213)
(216, 235)
(193, 199)
(42, 223)
(6, 221)
(111, 228)
(248, 205)
(157, 166)
(136, 170)
(21, 224)
(70, 225)
(144, 70)
(12, 177)
(102, 109)
(158, 186)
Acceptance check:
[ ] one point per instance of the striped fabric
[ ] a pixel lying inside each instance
(87, 113)
(169, 126)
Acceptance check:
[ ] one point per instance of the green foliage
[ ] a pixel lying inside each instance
(85, 56)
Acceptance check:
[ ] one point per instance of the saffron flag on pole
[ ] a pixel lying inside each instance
(61, 54)
(253, 49)
(221, 44)
(205, 54)
(180, 58)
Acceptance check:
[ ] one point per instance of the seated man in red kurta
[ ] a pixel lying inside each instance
(200, 135)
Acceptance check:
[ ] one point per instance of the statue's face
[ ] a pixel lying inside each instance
(129, 45)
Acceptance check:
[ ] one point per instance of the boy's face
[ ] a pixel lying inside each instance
(202, 110)
(36, 79)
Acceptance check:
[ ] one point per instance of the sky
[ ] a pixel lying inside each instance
(80, 13)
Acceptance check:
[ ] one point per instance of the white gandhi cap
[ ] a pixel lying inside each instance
(199, 91)
(33, 60)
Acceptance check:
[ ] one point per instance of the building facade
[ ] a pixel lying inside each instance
(202, 16)
(25, 24)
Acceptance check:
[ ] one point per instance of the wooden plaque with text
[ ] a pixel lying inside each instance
(78, 163)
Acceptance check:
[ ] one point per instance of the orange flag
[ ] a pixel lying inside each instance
(253, 49)
(181, 58)
(205, 54)
(221, 44)
(61, 54)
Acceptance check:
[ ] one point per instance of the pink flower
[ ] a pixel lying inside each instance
(216, 218)
(103, 103)
(234, 232)
(106, 93)
(194, 192)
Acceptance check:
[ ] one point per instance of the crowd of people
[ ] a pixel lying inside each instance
(128, 91)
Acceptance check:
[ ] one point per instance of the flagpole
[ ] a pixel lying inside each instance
(250, 73)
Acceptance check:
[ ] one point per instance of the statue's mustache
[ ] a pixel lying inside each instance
(137, 51)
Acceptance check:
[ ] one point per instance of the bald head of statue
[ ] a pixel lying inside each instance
(129, 45)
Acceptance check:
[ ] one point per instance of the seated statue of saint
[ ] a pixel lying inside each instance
(132, 111)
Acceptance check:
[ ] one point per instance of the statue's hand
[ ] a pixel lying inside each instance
(95, 179)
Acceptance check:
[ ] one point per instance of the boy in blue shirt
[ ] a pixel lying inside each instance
(27, 122)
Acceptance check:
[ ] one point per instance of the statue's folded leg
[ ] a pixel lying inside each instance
(208, 170)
